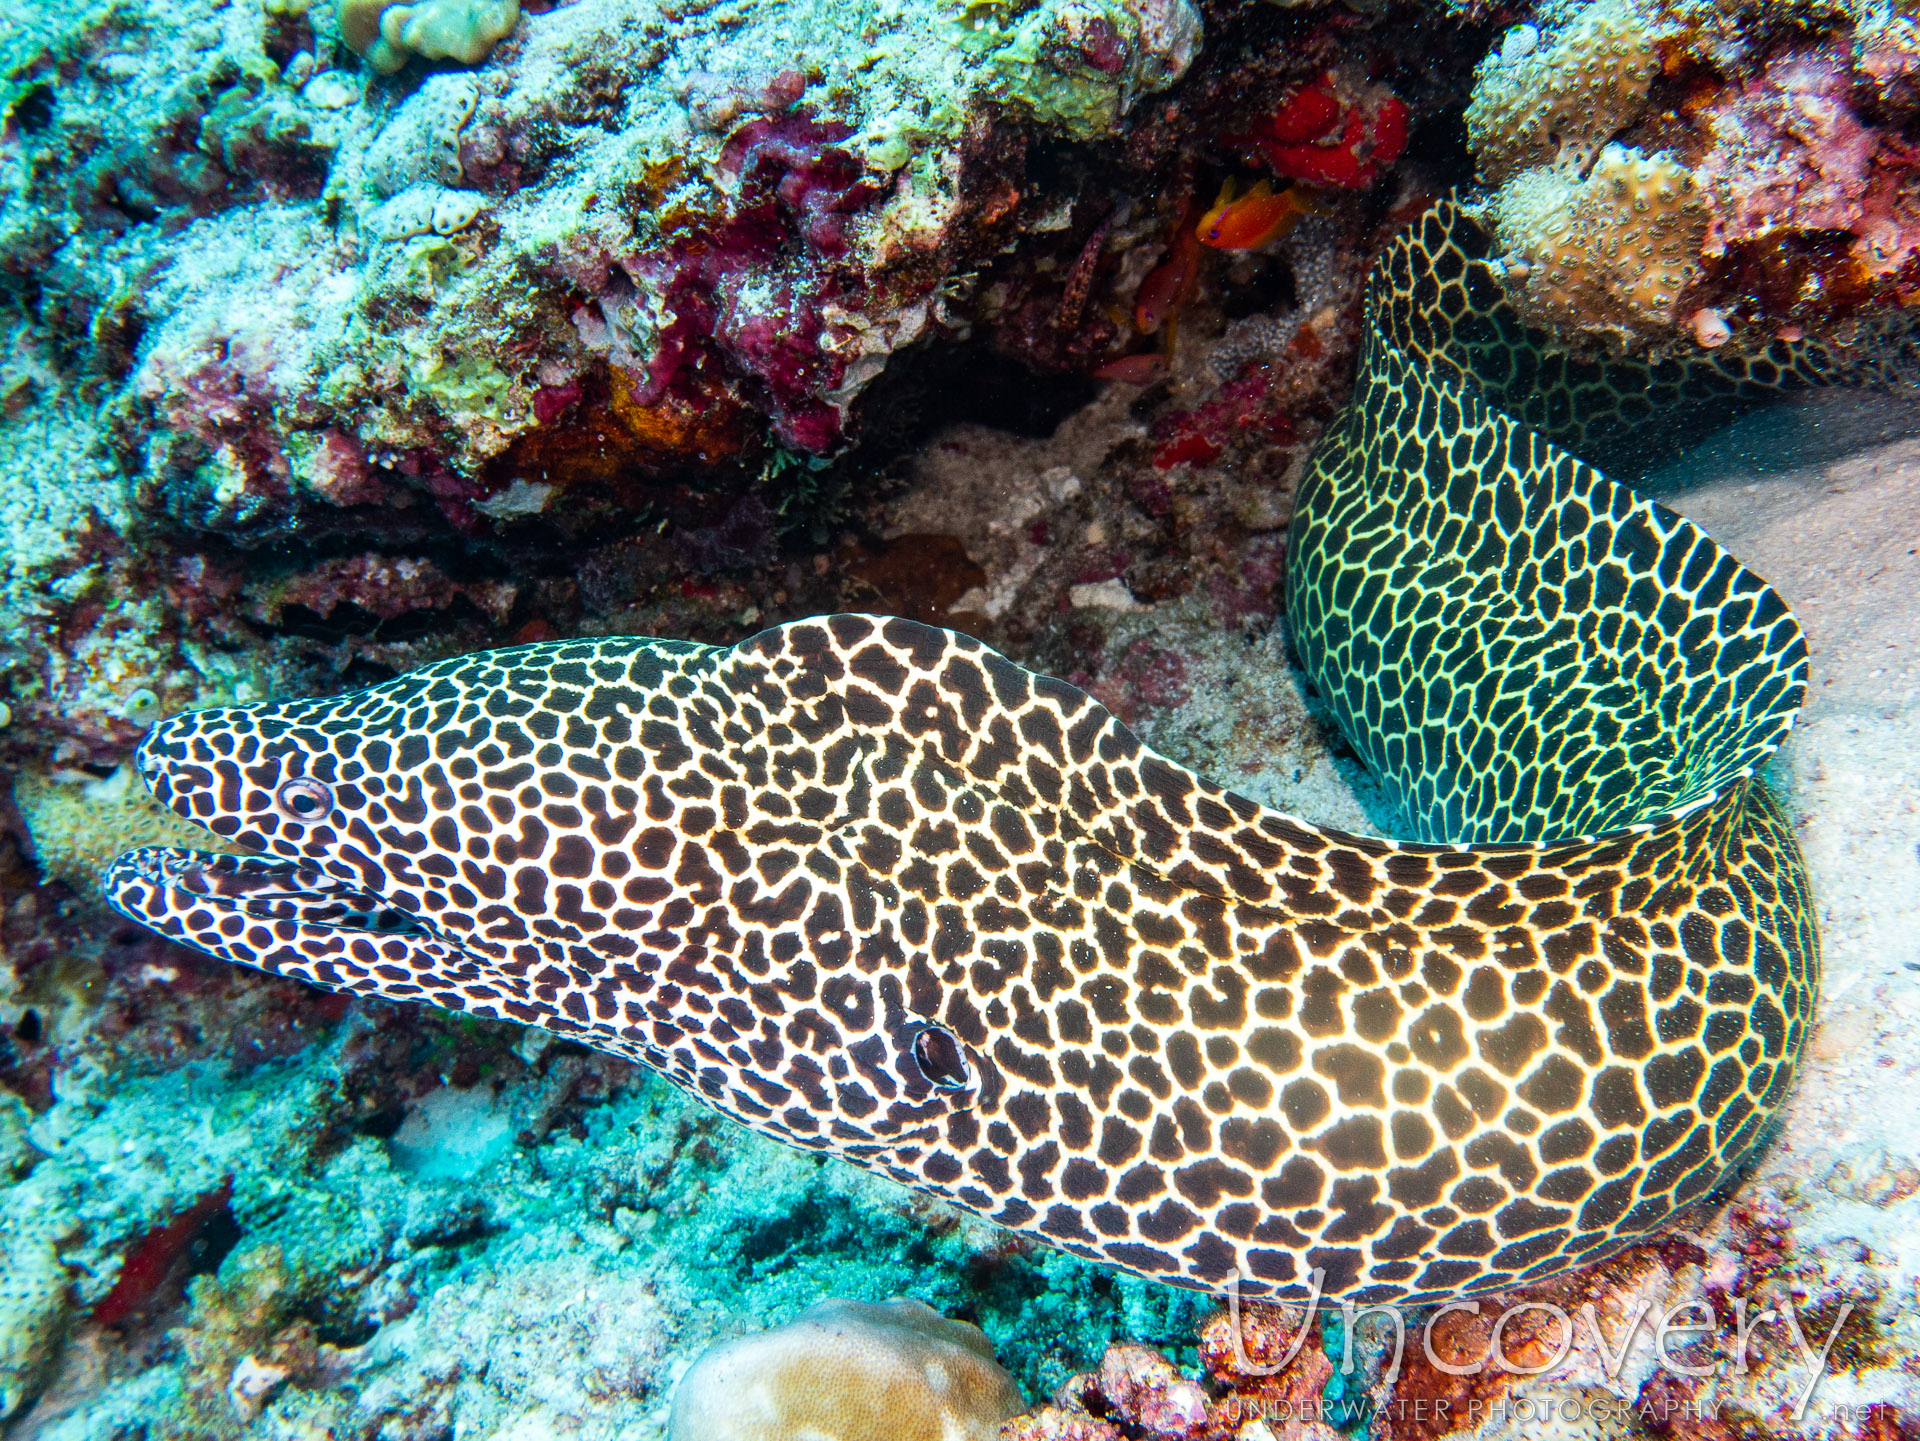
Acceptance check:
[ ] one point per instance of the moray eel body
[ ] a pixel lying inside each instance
(872, 889)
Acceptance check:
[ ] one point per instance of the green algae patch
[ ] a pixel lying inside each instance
(432, 262)
(470, 386)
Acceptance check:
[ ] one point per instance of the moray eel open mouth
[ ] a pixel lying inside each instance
(251, 888)
(873, 889)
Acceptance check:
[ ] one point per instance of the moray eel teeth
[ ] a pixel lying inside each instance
(875, 890)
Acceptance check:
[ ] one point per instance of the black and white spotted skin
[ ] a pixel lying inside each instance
(873, 889)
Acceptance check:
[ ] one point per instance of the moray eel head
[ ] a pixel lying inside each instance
(254, 777)
(474, 837)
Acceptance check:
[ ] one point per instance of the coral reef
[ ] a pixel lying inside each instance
(856, 1371)
(310, 374)
(77, 824)
(1613, 248)
(325, 1258)
(1651, 160)
(620, 278)
(283, 328)
(1557, 102)
(591, 214)
(1266, 1371)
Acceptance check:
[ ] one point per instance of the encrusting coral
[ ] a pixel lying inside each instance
(78, 824)
(851, 1371)
(390, 34)
(1789, 151)
(1557, 103)
(1653, 160)
(1264, 1365)
(1614, 247)
(34, 1306)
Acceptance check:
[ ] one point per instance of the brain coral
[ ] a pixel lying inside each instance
(1610, 250)
(848, 1371)
(1559, 103)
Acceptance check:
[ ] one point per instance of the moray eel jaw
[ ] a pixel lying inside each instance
(307, 890)
(299, 892)
(290, 918)
(161, 883)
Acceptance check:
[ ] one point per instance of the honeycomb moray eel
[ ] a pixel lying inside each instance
(872, 889)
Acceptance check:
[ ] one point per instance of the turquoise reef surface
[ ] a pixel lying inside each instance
(543, 1248)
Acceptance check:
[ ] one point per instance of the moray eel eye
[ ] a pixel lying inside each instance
(303, 799)
(936, 1051)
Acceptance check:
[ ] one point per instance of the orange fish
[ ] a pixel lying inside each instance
(1255, 219)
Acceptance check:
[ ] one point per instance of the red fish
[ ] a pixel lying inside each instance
(1171, 284)
(1142, 369)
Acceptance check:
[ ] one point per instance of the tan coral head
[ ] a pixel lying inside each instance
(390, 35)
(851, 1371)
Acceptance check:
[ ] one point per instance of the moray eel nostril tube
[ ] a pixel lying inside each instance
(872, 889)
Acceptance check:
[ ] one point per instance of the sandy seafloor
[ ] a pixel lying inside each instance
(1823, 498)
(559, 1291)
